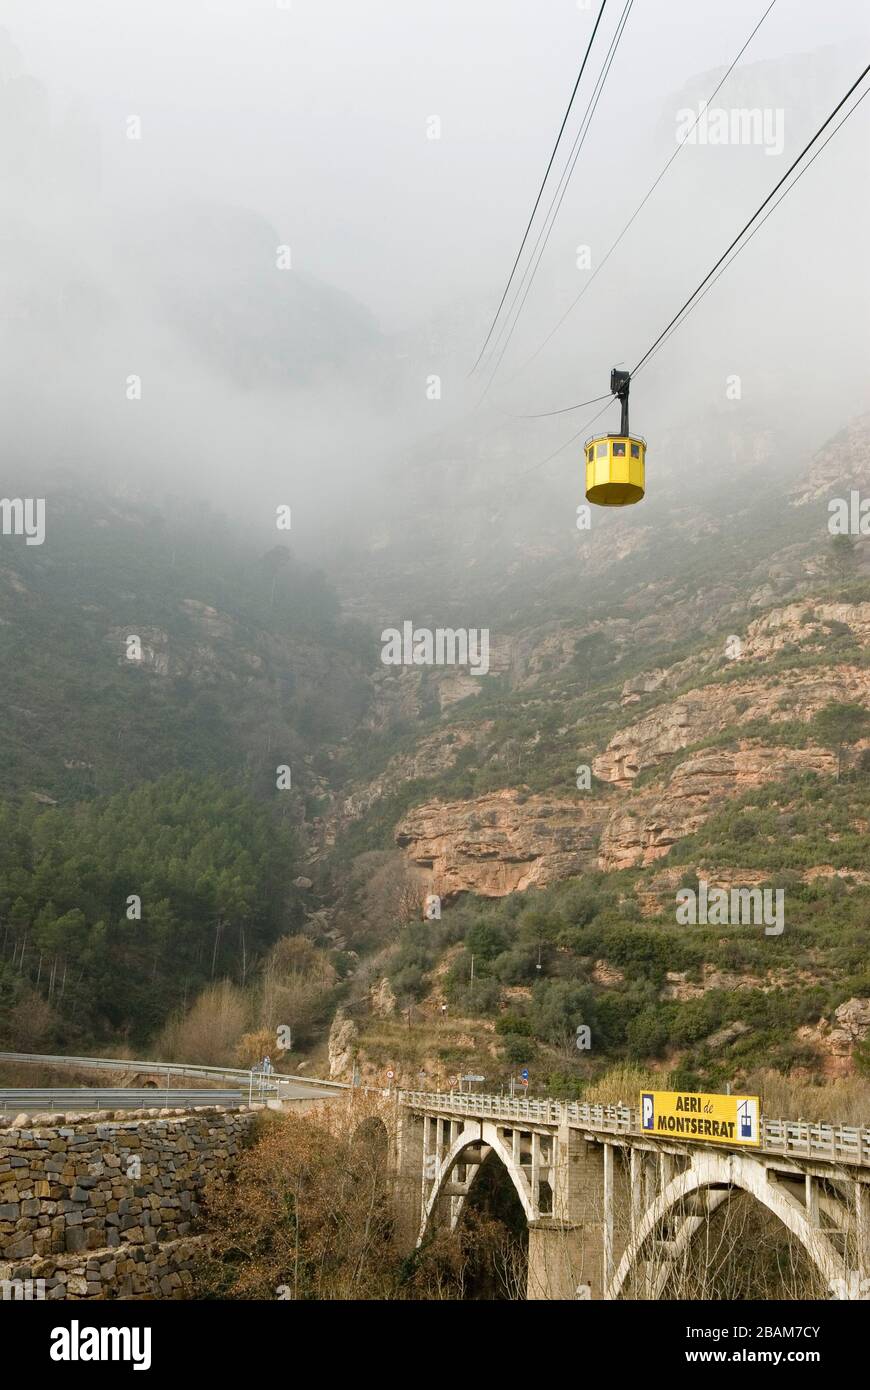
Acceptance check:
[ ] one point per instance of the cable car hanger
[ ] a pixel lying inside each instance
(615, 462)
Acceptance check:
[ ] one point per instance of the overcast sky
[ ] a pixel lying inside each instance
(315, 113)
(310, 119)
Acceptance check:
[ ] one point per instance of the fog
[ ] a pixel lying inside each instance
(307, 126)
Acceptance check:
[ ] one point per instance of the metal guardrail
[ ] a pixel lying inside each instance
(110, 1098)
(849, 1144)
(167, 1069)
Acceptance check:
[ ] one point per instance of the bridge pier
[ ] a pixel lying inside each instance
(558, 1260)
(862, 1228)
(575, 1253)
(413, 1149)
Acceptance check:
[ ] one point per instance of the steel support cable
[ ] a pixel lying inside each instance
(572, 306)
(727, 258)
(541, 414)
(579, 140)
(666, 330)
(541, 189)
(745, 243)
(582, 430)
(710, 279)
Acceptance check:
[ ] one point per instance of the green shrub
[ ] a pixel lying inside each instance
(519, 1050)
(514, 1023)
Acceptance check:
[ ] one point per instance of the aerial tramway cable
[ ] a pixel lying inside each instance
(579, 406)
(561, 189)
(652, 188)
(727, 259)
(541, 189)
(808, 146)
(565, 408)
(670, 332)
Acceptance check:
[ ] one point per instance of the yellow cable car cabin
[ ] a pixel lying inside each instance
(615, 470)
(615, 462)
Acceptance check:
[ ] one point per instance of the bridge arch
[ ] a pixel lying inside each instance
(710, 1172)
(481, 1134)
(372, 1130)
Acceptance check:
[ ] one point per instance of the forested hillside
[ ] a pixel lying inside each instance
(686, 722)
(147, 849)
(117, 911)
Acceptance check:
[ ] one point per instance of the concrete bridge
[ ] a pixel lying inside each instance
(611, 1210)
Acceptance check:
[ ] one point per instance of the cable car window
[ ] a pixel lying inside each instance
(591, 455)
(619, 449)
(602, 451)
(635, 451)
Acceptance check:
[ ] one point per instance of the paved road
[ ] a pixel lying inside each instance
(17, 1100)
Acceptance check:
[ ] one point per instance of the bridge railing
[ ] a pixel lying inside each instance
(847, 1144)
(85, 1099)
(494, 1107)
(618, 1119)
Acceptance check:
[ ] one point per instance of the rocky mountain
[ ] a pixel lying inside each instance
(139, 639)
(712, 684)
(674, 696)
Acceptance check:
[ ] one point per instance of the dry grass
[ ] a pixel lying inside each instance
(845, 1101)
(622, 1084)
(210, 1031)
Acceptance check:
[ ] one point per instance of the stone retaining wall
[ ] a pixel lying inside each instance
(106, 1207)
(126, 1271)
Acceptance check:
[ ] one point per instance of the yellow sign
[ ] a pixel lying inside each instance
(693, 1115)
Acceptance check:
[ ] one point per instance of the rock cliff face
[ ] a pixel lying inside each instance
(383, 1000)
(804, 625)
(836, 1038)
(842, 463)
(651, 822)
(343, 1038)
(704, 713)
(500, 843)
(505, 841)
(434, 755)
